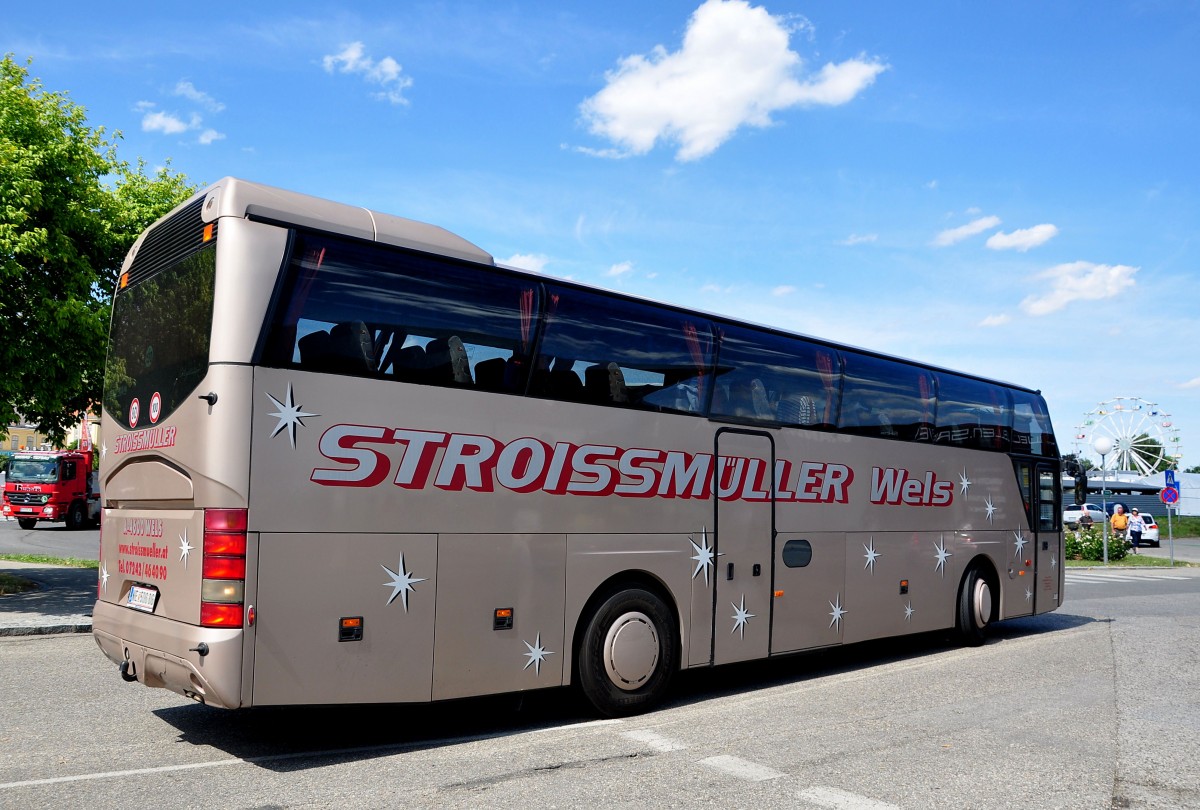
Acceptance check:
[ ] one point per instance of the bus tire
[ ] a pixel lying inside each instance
(974, 607)
(76, 516)
(26, 523)
(629, 652)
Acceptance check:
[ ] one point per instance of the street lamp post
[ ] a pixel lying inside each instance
(1103, 445)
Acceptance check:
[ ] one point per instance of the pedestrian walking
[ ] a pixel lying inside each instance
(1136, 526)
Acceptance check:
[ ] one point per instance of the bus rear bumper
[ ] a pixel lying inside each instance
(164, 656)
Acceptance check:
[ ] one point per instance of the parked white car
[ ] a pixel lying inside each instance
(1150, 535)
(1073, 514)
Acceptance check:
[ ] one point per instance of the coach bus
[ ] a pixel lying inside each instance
(348, 458)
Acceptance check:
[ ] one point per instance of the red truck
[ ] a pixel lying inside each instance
(53, 486)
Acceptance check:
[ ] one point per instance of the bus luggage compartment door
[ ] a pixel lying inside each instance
(744, 516)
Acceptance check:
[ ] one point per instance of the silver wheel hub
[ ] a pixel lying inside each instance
(981, 603)
(631, 650)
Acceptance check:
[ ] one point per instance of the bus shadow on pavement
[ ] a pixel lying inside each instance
(297, 738)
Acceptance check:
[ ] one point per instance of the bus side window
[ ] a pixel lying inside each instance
(886, 398)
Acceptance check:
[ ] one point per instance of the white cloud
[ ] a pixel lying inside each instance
(996, 320)
(859, 239)
(533, 262)
(1023, 239)
(163, 122)
(386, 72)
(734, 69)
(932, 185)
(716, 288)
(144, 106)
(189, 91)
(782, 290)
(1078, 281)
(619, 269)
(210, 135)
(1191, 383)
(952, 235)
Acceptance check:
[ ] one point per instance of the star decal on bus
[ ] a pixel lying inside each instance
(185, 548)
(1028, 594)
(908, 612)
(536, 655)
(1019, 542)
(104, 577)
(704, 556)
(872, 555)
(942, 555)
(964, 483)
(741, 617)
(991, 510)
(289, 415)
(837, 612)
(402, 582)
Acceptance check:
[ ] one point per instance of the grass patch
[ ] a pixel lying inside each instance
(70, 562)
(10, 584)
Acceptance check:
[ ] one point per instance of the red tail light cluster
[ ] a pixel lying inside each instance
(222, 591)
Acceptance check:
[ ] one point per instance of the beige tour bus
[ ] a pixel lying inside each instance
(347, 458)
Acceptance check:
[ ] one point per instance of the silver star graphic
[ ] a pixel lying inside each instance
(185, 549)
(104, 577)
(740, 617)
(289, 415)
(1020, 542)
(402, 582)
(871, 555)
(964, 483)
(536, 655)
(103, 450)
(837, 612)
(1028, 594)
(942, 556)
(908, 612)
(704, 557)
(1054, 562)
(991, 510)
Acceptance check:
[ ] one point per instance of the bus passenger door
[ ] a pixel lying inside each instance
(744, 515)
(1047, 547)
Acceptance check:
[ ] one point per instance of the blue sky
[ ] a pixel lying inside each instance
(1006, 189)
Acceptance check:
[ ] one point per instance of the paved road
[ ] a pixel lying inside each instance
(53, 539)
(1093, 706)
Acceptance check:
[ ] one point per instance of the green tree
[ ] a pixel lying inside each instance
(1192, 469)
(69, 211)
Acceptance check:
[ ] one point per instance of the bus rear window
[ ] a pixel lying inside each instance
(159, 338)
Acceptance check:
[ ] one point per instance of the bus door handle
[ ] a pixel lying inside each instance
(729, 571)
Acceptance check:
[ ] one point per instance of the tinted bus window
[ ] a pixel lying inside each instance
(972, 413)
(887, 399)
(622, 353)
(1031, 426)
(355, 308)
(767, 378)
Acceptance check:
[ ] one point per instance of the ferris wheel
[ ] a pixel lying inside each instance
(1144, 439)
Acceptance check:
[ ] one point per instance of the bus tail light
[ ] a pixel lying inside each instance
(222, 591)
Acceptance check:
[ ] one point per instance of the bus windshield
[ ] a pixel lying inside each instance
(159, 338)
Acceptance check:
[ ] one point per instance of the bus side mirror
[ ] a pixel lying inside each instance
(1081, 486)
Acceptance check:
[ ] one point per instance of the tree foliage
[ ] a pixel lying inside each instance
(69, 211)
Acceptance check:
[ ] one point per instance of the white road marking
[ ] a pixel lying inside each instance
(742, 768)
(842, 799)
(654, 740)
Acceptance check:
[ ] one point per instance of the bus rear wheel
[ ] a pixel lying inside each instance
(974, 607)
(629, 652)
(26, 523)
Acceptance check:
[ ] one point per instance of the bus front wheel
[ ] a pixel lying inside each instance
(629, 652)
(974, 607)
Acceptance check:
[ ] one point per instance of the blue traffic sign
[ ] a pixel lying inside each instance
(1170, 478)
(1169, 496)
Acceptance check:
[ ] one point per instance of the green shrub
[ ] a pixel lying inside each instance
(1088, 544)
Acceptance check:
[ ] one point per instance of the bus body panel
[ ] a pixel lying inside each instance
(307, 583)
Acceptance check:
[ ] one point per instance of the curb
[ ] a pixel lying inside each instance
(45, 630)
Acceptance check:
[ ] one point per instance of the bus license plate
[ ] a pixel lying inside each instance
(142, 598)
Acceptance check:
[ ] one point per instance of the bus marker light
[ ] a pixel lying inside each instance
(124, 280)
(502, 619)
(208, 232)
(1020, 573)
(251, 614)
(903, 586)
(350, 628)
(778, 594)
